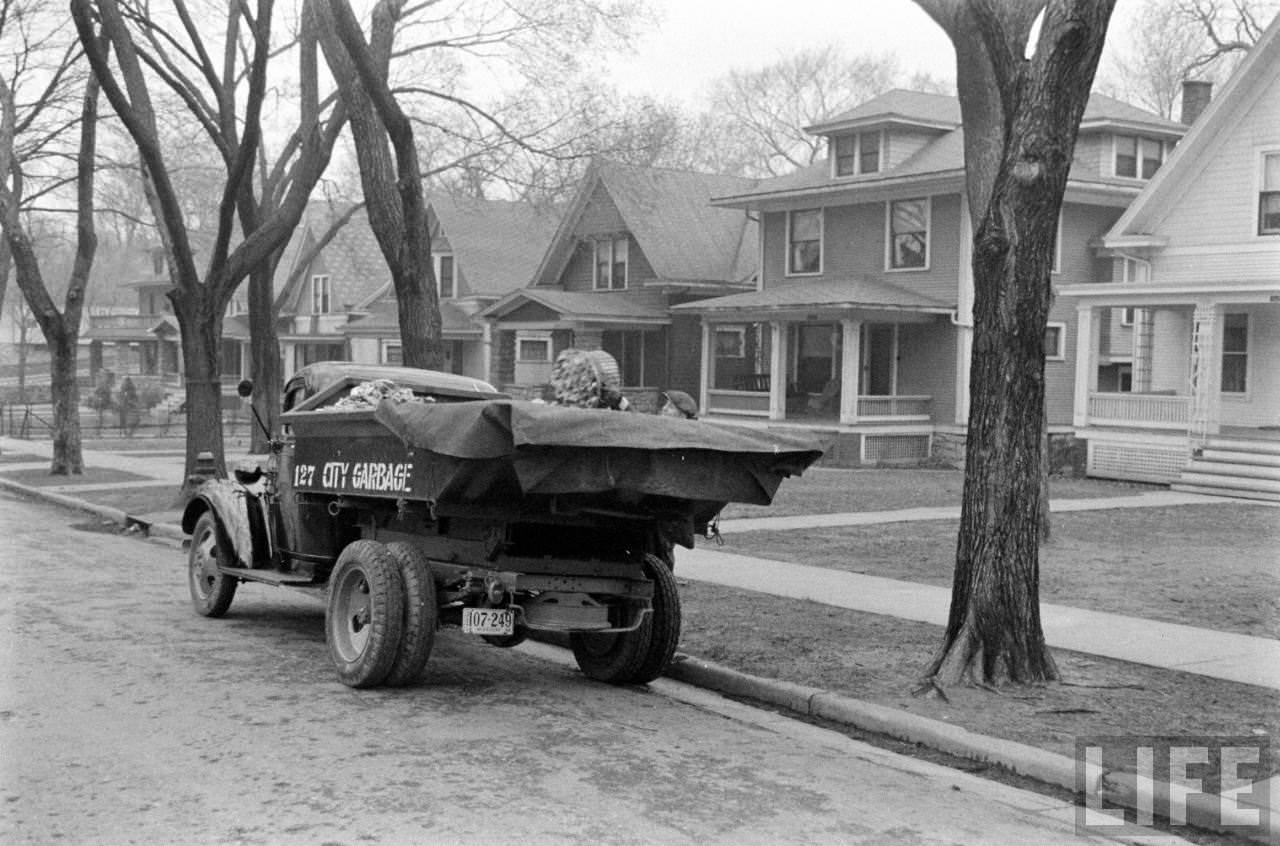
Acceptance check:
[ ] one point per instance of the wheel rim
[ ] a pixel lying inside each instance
(353, 615)
(204, 563)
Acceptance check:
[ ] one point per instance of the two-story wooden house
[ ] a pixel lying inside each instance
(1178, 343)
(143, 341)
(860, 324)
(633, 242)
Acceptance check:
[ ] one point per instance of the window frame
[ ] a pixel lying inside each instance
(1060, 354)
(453, 275)
(321, 293)
(1242, 354)
(1140, 160)
(1263, 193)
(385, 353)
(857, 156)
(525, 336)
(822, 226)
(611, 243)
(889, 252)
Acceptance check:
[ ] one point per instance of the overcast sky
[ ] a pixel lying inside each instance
(697, 41)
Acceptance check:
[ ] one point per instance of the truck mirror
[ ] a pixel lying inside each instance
(245, 388)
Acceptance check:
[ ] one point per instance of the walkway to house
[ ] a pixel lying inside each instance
(1224, 655)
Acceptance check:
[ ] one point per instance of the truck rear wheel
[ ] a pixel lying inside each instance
(640, 656)
(211, 591)
(364, 617)
(420, 615)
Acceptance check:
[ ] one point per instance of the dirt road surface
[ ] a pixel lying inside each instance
(126, 718)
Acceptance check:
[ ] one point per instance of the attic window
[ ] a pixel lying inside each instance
(1138, 157)
(857, 153)
(444, 275)
(611, 264)
(321, 294)
(1269, 195)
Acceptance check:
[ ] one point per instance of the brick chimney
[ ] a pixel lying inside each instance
(1195, 96)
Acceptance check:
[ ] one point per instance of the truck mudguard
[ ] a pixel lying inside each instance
(229, 501)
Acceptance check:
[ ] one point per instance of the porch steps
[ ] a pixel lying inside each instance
(1234, 467)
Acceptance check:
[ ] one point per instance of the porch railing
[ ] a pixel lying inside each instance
(1158, 411)
(895, 406)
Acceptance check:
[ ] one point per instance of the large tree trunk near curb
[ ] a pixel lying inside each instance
(199, 318)
(1020, 114)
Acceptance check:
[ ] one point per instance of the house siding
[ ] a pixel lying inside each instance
(927, 365)
(1220, 206)
(684, 354)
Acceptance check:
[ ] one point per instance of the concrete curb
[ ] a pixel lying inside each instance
(168, 531)
(1115, 789)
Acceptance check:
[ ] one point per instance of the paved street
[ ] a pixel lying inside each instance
(125, 718)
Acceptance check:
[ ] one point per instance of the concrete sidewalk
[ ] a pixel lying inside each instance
(1223, 655)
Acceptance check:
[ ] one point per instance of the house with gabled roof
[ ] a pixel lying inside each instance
(481, 251)
(340, 304)
(860, 321)
(1178, 339)
(633, 242)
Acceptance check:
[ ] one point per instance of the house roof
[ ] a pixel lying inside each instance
(497, 245)
(852, 292)
(353, 261)
(582, 305)
(384, 319)
(942, 158)
(1261, 67)
(669, 214)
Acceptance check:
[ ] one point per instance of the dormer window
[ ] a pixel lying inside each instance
(321, 294)
(611, 264)
(1138, 157)
(444, 275)
(857, 153)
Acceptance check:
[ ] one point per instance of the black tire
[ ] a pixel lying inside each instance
(420, 616)
(640, 656)
(364, 616)
(211, 591)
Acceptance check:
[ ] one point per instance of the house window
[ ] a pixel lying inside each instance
(1269, 196)
(804, 234)
(909, 234)
(533, 348)
(1126, 315)
(857, 153)
(611, 264)
(1138, 157)
(392, 354)
(444, 275)
(731, 342)
(1054, 342)
(321, 294)
(1235, 353)
(1135, 270)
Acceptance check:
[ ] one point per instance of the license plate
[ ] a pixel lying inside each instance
(488, 621)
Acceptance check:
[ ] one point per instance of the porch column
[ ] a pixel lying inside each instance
(1205, 339)
(850, 372)
(704, 369)
(486, 351)
(1143, 327)
(1088, 337)
(777, 370)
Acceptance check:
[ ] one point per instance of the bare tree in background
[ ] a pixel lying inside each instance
(1177, 40)
(225, 97)
(34, 130)
(1021, 101)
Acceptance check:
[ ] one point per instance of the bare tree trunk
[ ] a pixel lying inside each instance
(67, 447)
(1021, 102)
(200, 323)
(265, 355)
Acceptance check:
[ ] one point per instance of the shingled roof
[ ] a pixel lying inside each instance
(670, 216)
(497, 245)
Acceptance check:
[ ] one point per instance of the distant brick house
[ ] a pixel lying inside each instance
(860, 324)
(633, 243)
(1178, 338)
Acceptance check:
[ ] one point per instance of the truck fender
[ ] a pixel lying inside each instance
(227, 500)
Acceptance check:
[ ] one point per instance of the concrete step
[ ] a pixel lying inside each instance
(1257, 446)
(1260, 459)
(1228, 483)
(1229, 468)
(1216, 491)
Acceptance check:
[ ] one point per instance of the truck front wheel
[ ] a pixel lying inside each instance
(364, 617)
(211, 591)
(640, 656)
